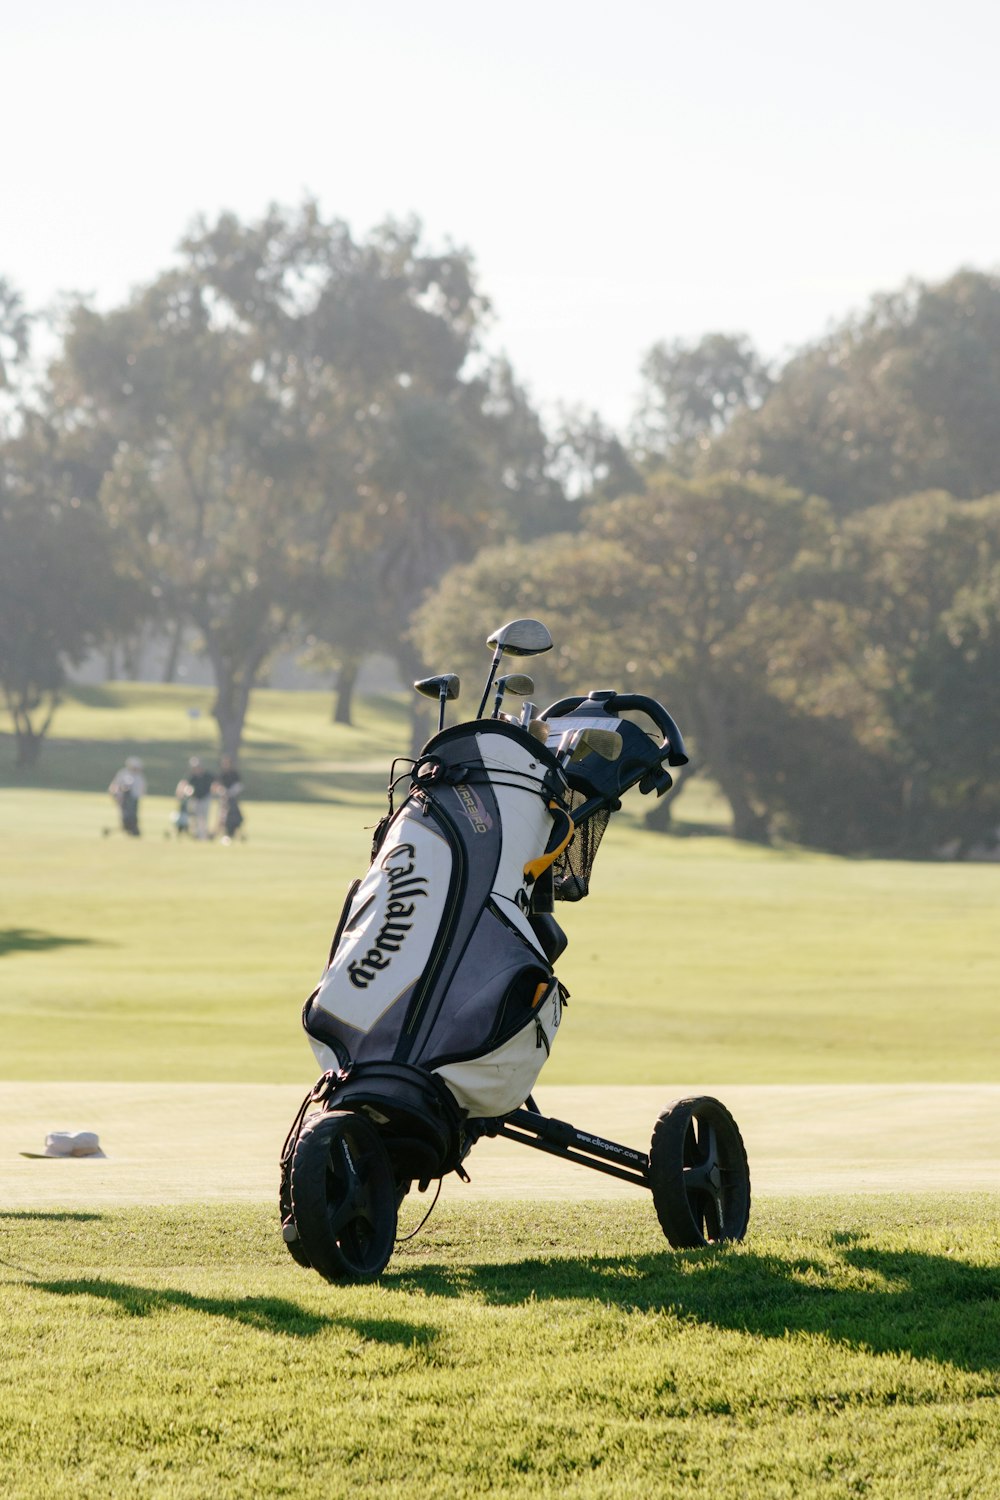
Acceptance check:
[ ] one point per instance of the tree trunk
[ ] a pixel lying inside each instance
(232, 698)
(347, 677)
(132, 649)
(176, 641)
(411, 669)
(714, 734)
(660, 816)
(29, 745)
(235, 677)
(28, 738)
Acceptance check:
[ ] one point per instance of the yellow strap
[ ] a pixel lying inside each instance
(540, 993)
(536, 867)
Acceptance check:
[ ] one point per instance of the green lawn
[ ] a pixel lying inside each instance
(695, 957)
(181, 1353)
(849, 1348)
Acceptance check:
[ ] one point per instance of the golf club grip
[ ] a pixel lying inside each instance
(673, 740)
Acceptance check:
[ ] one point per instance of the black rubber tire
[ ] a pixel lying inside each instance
(699, 1175)
(288, 1227)
(343, 1197)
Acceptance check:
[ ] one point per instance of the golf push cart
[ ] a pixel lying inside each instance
(439, 1004)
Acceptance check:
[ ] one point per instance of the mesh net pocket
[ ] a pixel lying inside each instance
(571, 871)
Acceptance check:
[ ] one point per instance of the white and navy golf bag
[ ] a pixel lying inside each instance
(439, 1005)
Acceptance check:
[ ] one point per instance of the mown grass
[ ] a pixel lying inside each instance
(518, 1350)
(850, 1347)
(694, 958)
(292, 750)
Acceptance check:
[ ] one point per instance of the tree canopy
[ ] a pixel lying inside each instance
(903, 398)
(287, 396)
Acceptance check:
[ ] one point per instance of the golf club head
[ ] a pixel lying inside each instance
(521, 638)
(447, 686)
(606, 743)
(517, 685)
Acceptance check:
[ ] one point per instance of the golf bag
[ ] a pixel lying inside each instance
(438, 1006)
(439, 984)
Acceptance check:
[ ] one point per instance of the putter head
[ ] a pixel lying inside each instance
(446, 685)
(521, 638)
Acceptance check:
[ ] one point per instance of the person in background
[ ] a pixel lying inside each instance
(228, 788)
(127, 788)
(199, 795)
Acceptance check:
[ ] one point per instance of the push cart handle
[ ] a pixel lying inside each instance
(619, 703)
(673, 740)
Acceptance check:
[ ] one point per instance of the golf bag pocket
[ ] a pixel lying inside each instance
(499, 1080)
(383, 942)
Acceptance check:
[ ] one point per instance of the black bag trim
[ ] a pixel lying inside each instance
(345, 913)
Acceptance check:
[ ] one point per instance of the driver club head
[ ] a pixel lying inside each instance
(447, 685)
(520, 638)
(516, 638)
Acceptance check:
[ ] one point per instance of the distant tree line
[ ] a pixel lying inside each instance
(294, 438)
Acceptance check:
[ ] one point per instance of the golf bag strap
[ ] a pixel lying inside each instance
(559, 839)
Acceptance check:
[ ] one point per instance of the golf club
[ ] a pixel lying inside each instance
(516, 638)
(442, 688)
(517, 685)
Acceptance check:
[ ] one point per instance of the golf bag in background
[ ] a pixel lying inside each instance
(438, 963)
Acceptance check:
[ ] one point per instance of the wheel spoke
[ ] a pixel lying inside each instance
(698, 1174)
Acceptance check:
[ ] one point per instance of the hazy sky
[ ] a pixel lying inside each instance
(622, 172)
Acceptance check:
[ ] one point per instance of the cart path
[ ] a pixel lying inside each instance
(203, 1142)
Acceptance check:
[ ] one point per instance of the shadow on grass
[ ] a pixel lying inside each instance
(905, 1302)
(268, 1314)
(276, 773)
(32, 940)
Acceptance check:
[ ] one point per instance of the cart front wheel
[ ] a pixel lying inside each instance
(698, 1174)
(343, 1197)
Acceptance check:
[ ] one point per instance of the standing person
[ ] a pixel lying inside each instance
(228, 788)
(199, 782)
(127, 787)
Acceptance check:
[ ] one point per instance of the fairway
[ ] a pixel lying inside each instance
(165, 960)
(201, 1143)
(538, 1337)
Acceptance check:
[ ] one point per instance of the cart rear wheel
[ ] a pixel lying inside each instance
(698, 1174)
(343, 1197)
(289, 1231)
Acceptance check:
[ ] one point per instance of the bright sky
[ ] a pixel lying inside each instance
(623, 172)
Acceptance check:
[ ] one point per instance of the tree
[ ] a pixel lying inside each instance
(59, 592)
(691, 394)
(902, 399)
(15, 331)
(590, 460)
(681, 592)
(918, 581)
(287, 393)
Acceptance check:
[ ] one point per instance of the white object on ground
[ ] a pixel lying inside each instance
(69, 1143)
